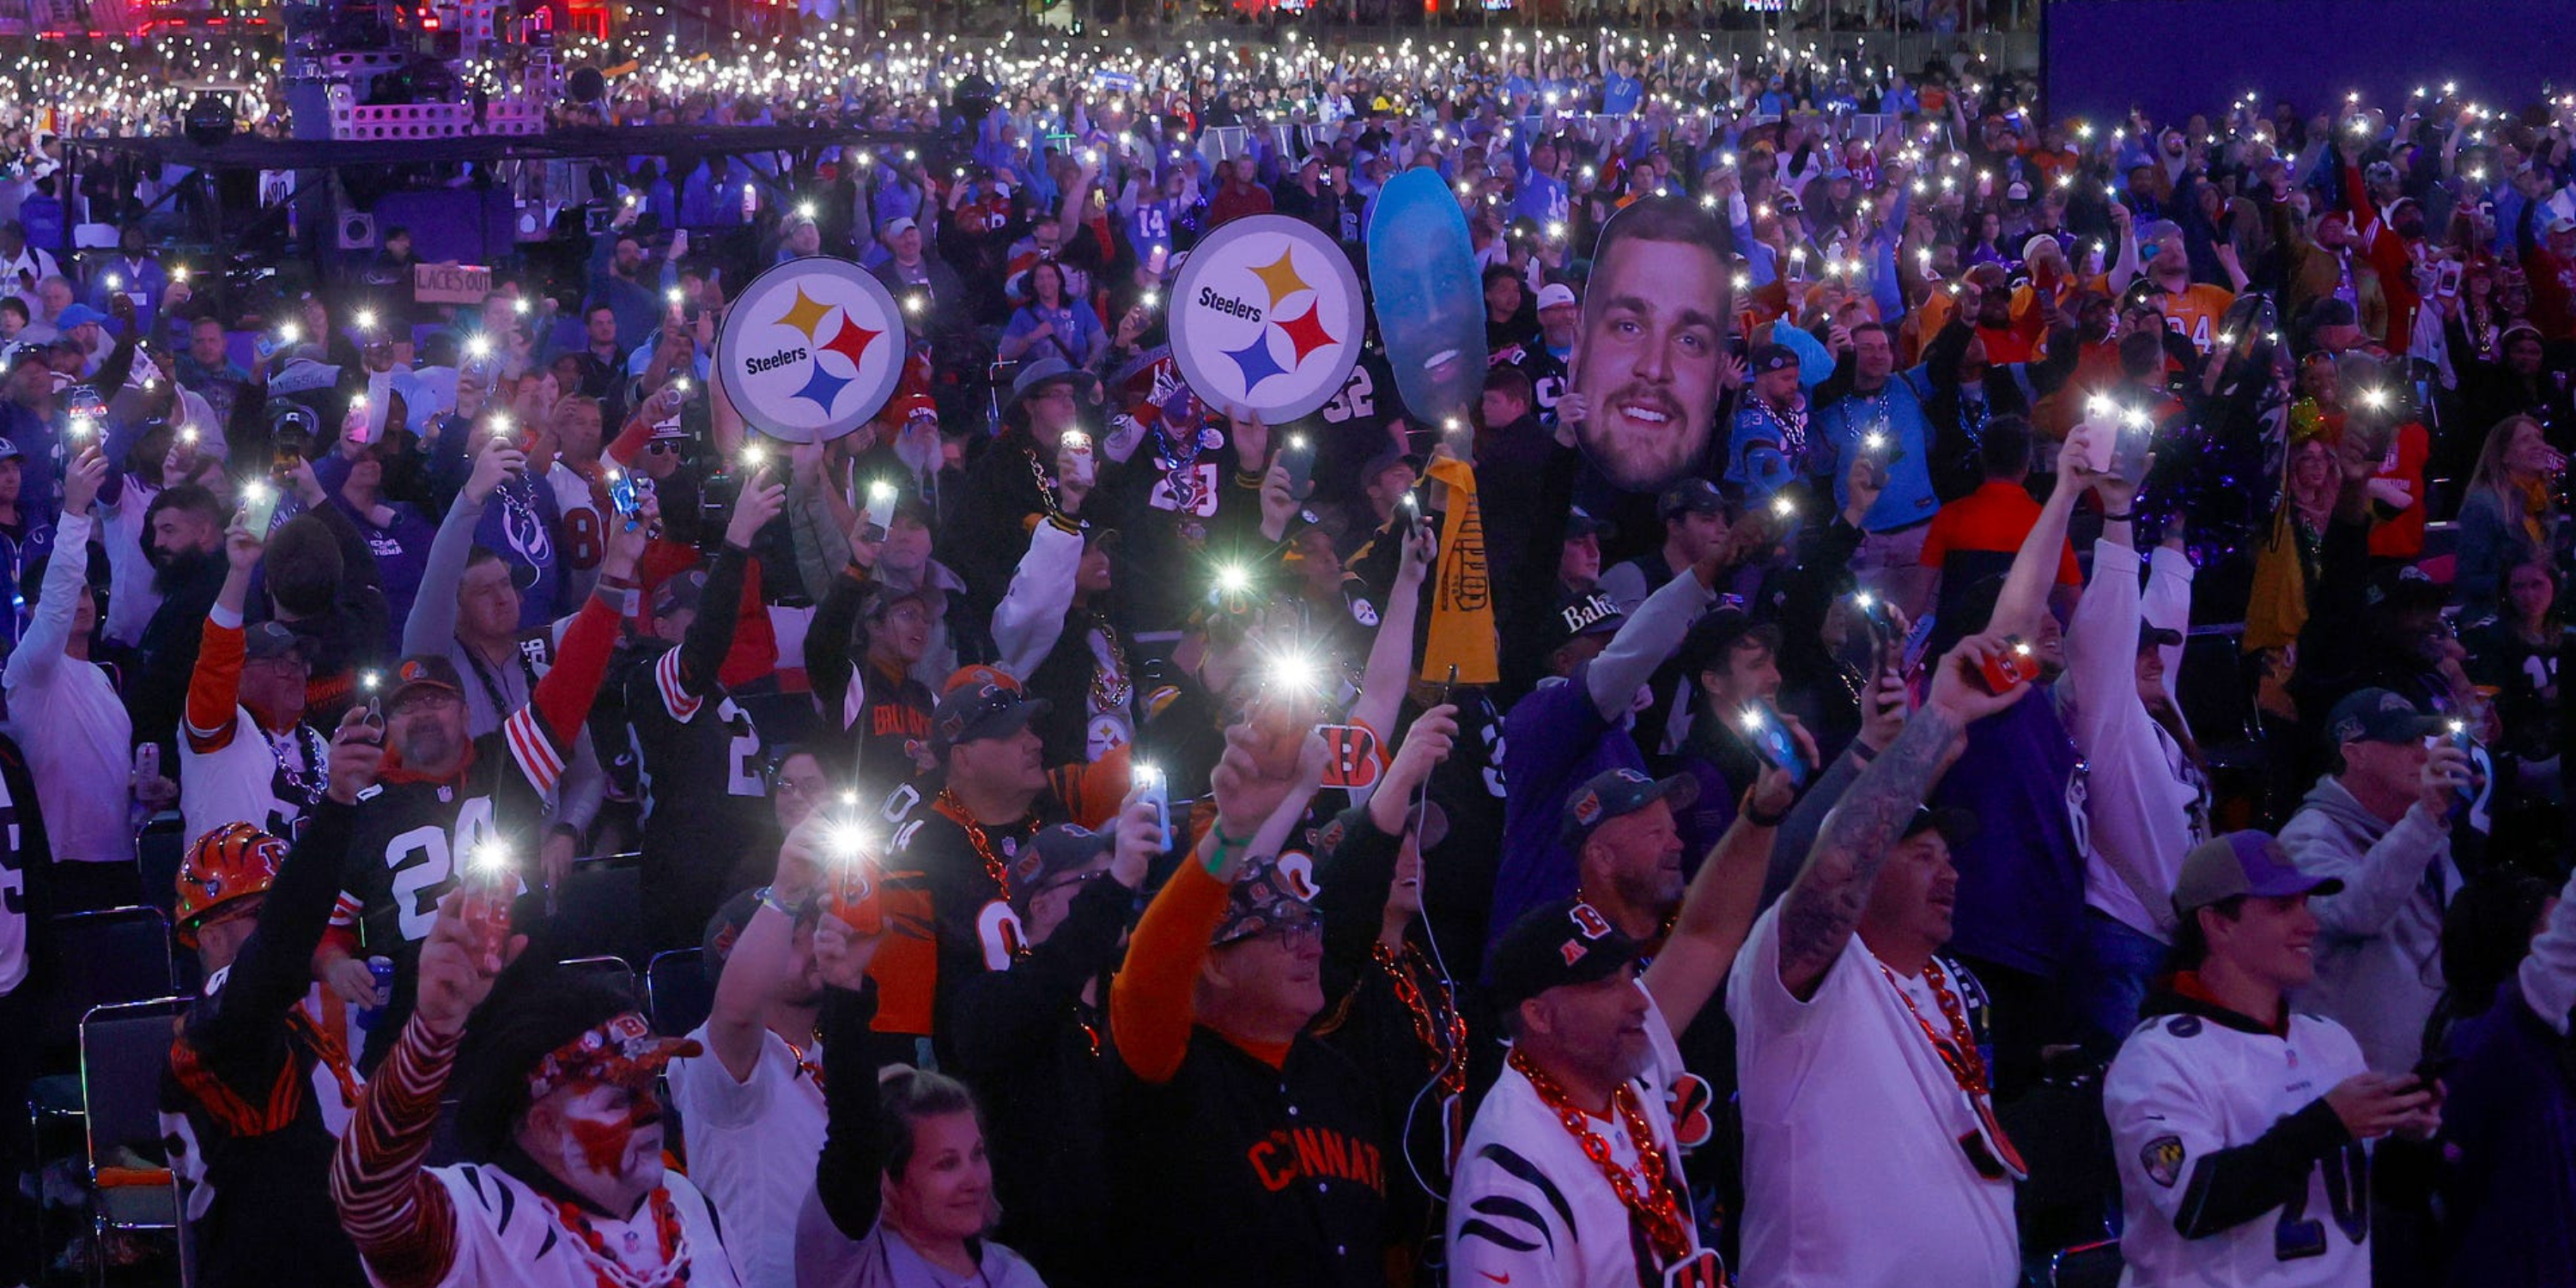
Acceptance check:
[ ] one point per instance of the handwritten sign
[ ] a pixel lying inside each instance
(450, 283)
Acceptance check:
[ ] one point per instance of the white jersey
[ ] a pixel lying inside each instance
(1855, 1171)
(507, 1233)
(13, 894)
(2186, 1086)
(245, 774)
(752, 1148)
(1528, 1208)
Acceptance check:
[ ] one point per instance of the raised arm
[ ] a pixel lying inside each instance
(397, 1214)
(1650, 637)
(2034, 566)
(40, 649)
(1030, 618)
(1719, 906)
(1390, 659)
(1824, 903)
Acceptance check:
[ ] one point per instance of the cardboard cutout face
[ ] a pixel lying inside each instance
(1648, 359)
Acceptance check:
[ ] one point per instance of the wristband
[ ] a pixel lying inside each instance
(2108, 517)
(1861, 752)
(1757, 817)
(768, 897)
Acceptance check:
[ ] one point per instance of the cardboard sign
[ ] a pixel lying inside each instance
(450, 283)
(1266, 315)
(1350, 756)
(1430, 297)
(1650, 357)
(811, 349)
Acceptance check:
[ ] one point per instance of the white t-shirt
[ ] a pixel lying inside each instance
(752, 1149)
(507, 1233)
(1528, 1208)
(237, 781)
(2184, 1086)
(1854, 1174)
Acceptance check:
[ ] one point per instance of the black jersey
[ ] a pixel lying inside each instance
(413, 833)
(260, 1087)
(699, 765)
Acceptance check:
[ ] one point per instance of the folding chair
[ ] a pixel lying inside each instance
(123, 1049)
(98, 959)
(611, 971)
(2094, 1265)
(159, 848)
(679, 991)
(600, 910)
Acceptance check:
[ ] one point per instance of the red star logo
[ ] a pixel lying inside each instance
(1306, 332)
(851, 341)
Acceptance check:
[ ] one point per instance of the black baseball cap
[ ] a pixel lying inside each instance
(1767, 358)
(1617, 792)
(1690, 496)
(424, 671)
(983, 709)
(1578, 615)
(2378, 715)
(1956, 826)
(264, 641)
(2154, 636)
(1063, 848)
(1554, 945)
(1579, 523)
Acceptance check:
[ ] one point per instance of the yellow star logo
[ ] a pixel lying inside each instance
(805, 315)
(1280, 276)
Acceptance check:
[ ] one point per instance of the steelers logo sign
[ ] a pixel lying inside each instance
(811, 349)
(1266, 316)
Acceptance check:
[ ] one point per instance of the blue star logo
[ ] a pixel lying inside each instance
(822, 388)
(1255, 362)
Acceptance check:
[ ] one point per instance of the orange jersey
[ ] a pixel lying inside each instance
(2195, 310)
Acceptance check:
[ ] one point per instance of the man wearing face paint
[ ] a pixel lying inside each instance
(563, 1186)
(1647, 366)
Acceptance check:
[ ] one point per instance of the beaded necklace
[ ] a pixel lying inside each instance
(1653, 1208)
(1441, 1031)
(607, 1270)
(1000, 872)
(1959, 1055)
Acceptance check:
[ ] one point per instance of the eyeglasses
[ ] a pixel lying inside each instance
(424, 700)
(1074, 879)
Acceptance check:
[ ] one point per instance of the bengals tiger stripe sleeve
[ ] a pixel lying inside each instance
(394, 1210)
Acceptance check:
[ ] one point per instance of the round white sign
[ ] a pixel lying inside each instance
(1266, 316)
(811, 349)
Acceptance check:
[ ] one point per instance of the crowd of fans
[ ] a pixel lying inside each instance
(2074, 763)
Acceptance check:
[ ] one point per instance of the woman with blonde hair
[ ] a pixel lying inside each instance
(2509, 513)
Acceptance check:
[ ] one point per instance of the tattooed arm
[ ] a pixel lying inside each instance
(1824, 904)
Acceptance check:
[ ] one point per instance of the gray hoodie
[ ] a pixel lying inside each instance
(2379, 963)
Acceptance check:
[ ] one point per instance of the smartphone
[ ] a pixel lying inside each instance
(1155, 260)
(879, 509)
(851, 895)
(2017, 664)
(1771, 741)
(1156, 791)
(622, 498)
(1298, 458)
(2447, 280)
(1872, 612)
(1881, 450)
(259, 506)
(2456, 733)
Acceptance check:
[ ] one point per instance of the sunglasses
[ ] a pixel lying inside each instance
(664, 447)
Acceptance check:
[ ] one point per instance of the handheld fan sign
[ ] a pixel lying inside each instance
(1267, 316)
(811, 350)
